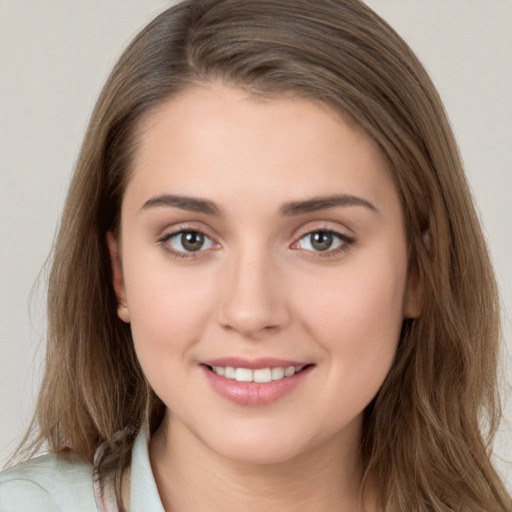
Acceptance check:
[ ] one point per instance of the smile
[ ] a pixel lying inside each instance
(255, 382)
(260, 375)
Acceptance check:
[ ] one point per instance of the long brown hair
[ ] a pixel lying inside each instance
(427, 434)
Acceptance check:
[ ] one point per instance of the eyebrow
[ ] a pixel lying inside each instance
(324, 203)
(192, 204)
(293, 208)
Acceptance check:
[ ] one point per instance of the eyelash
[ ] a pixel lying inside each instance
(184, 254)
(345, 242)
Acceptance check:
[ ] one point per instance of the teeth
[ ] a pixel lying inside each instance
(277, 373)
(229, 372)
(289, 371)
(243, 375)
(259, 375)
(262, 375)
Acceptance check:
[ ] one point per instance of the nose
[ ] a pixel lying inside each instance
(253, 302)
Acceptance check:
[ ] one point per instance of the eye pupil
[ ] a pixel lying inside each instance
(192, 240)
(321, 240)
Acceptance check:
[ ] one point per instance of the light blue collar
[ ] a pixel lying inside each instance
(144, 495)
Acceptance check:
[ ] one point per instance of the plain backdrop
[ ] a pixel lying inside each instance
(54, 58)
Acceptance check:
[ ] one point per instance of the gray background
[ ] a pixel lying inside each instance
(54, 58)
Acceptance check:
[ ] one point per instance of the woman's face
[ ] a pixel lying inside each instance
(263, 262)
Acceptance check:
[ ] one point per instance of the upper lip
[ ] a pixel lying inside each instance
(253, 364)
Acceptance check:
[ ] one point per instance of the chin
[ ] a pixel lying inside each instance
(260, 453)
(261, 445)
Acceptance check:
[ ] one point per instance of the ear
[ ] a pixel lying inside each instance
(117, 275)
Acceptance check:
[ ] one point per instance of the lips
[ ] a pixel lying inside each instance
(254, 382)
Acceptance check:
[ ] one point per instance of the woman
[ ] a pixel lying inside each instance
(262, 293)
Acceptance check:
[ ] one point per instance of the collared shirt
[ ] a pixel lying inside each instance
(58, 483)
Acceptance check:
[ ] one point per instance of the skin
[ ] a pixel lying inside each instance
(259, 288)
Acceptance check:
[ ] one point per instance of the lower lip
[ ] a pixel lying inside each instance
(254, 393)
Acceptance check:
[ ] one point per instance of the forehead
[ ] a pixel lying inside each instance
(218, 141)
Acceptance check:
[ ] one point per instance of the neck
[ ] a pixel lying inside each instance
(189, 476)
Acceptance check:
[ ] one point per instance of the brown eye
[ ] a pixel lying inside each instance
(321, 240)
(192, 240)
(324, 241)
(187, 241)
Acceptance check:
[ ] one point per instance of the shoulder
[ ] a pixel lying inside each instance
(51, 483)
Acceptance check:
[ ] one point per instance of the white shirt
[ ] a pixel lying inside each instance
(58, 483)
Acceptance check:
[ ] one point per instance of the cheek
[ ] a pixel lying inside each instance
(168, 312)
(357, 315)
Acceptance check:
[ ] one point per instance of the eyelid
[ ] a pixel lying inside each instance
(344, 238)
(170, 232)
(178, 234)
(331, 227)
(347, 240)
(174, 229)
